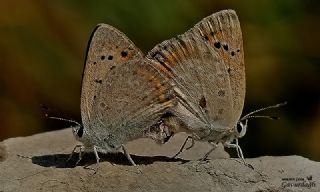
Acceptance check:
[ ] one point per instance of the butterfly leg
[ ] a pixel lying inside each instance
(237, 147)
(96, 154)
(81, 153)
(205, 157)
(239, 151)
(73, 151)
(183, 146)
(95, 151)
(127, 155)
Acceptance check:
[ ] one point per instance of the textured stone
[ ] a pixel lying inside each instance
(38, 163)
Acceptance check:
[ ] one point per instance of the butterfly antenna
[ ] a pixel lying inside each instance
(63, 119)
(45, 110)
(262, 116)
(250, 115)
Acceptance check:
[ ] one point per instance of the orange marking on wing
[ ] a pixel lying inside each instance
(163, 98)
(209, 38)
(169, 59)
(162, 69)
(156, 83)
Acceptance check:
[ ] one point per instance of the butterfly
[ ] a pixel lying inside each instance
(206, 69)
(123, 95)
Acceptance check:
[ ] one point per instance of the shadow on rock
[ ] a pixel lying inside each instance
(60, 160)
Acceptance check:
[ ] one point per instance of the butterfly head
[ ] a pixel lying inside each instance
(230, 135)
(104, 145)
(78, 132)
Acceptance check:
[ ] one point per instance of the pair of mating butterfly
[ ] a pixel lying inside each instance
(194, 83)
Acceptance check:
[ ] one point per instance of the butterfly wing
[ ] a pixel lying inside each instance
(131, 99)
(206, 68)
(108, 47)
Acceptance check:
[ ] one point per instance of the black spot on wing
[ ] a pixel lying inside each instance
(203, 102)
(217, 45)
(124, 53)
(225, 47)
(98, 81)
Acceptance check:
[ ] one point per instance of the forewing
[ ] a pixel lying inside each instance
(108, 48)
(222, 32)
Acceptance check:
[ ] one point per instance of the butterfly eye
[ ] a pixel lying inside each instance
(239, 127)
(80, 132)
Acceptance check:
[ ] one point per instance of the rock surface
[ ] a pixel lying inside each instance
(38, 163)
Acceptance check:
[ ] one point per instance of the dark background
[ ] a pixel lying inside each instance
(43, 43)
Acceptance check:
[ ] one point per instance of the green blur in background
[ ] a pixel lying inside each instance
(43, 44)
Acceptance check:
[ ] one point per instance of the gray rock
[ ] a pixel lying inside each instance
(38, 163)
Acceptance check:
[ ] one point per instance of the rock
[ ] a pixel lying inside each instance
(38, 163)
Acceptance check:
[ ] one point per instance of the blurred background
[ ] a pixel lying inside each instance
(43, 43)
